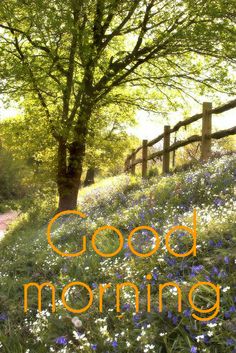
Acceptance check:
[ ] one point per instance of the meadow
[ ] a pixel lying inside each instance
(126, 202)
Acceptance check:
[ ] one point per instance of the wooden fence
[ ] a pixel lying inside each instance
(205, 139)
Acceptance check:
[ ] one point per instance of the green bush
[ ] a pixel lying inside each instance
(10, 177)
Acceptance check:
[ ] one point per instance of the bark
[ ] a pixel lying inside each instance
(70, 164)
(67, 182)
(69, 177)
(89, 179)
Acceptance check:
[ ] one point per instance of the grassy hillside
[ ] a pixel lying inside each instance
(126, 202)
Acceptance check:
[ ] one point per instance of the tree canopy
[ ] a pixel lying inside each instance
(70, 58)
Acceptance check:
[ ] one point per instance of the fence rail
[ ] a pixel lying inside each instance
(205, 139)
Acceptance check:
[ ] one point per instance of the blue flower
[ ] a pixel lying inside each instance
(61, 340)
(227, 315)
(170, 262)
(170, 275)
(3, 317)
(114, 344)
(126, 307)
(219, 244)
(206, 339)
(218, 202)
(94, 347)
(196, 269)
(230, 342)
(136, 320)
(155, 276)
(118, 275)
(175, 320)
(127, 254)
(187, 313)
(211, 243)
(193, 349)
(226, 260)
(189, 179)
(215, 271)
(169, 315)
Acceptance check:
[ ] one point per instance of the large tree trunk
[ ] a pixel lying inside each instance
(89, 179)
(68, 199)
(69, 177)
(70, 164)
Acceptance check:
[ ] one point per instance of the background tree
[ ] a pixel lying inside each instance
(69, 57)
(26, 138)
(108, 143)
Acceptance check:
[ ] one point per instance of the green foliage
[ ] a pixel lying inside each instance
(11, 176)
(108, 142)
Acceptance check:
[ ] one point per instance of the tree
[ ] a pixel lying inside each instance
(108, 142)
(26, 137)
(71, 56)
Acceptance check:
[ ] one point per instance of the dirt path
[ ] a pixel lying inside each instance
(5, 220)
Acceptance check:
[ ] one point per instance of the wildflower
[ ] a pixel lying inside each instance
(169, 315)
(218, 202)
(175, 320)
(225, 289)
(219, 244)
(94, 347)
(155, 276)
(211, 243)
(226, 260)
(114, 344)
(206, 338)
(200, 338)
(212, 325)
(76, 322)
(3, 317)
(78, 336)
(61, 340)
(187, 313)
(196, 269)
(126, 307)
(193, 349)
(230, 342)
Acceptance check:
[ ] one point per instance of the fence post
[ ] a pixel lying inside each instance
(166, 154)
(132, 162)
(206, 130)
(144, 158)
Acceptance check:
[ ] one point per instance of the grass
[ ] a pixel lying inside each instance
(127, 202)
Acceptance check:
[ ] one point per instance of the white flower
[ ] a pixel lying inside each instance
(76, 322)
(200, 338)
(211, 325)
(225, 289)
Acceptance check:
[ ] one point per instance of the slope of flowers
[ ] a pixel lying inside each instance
(126, 202)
